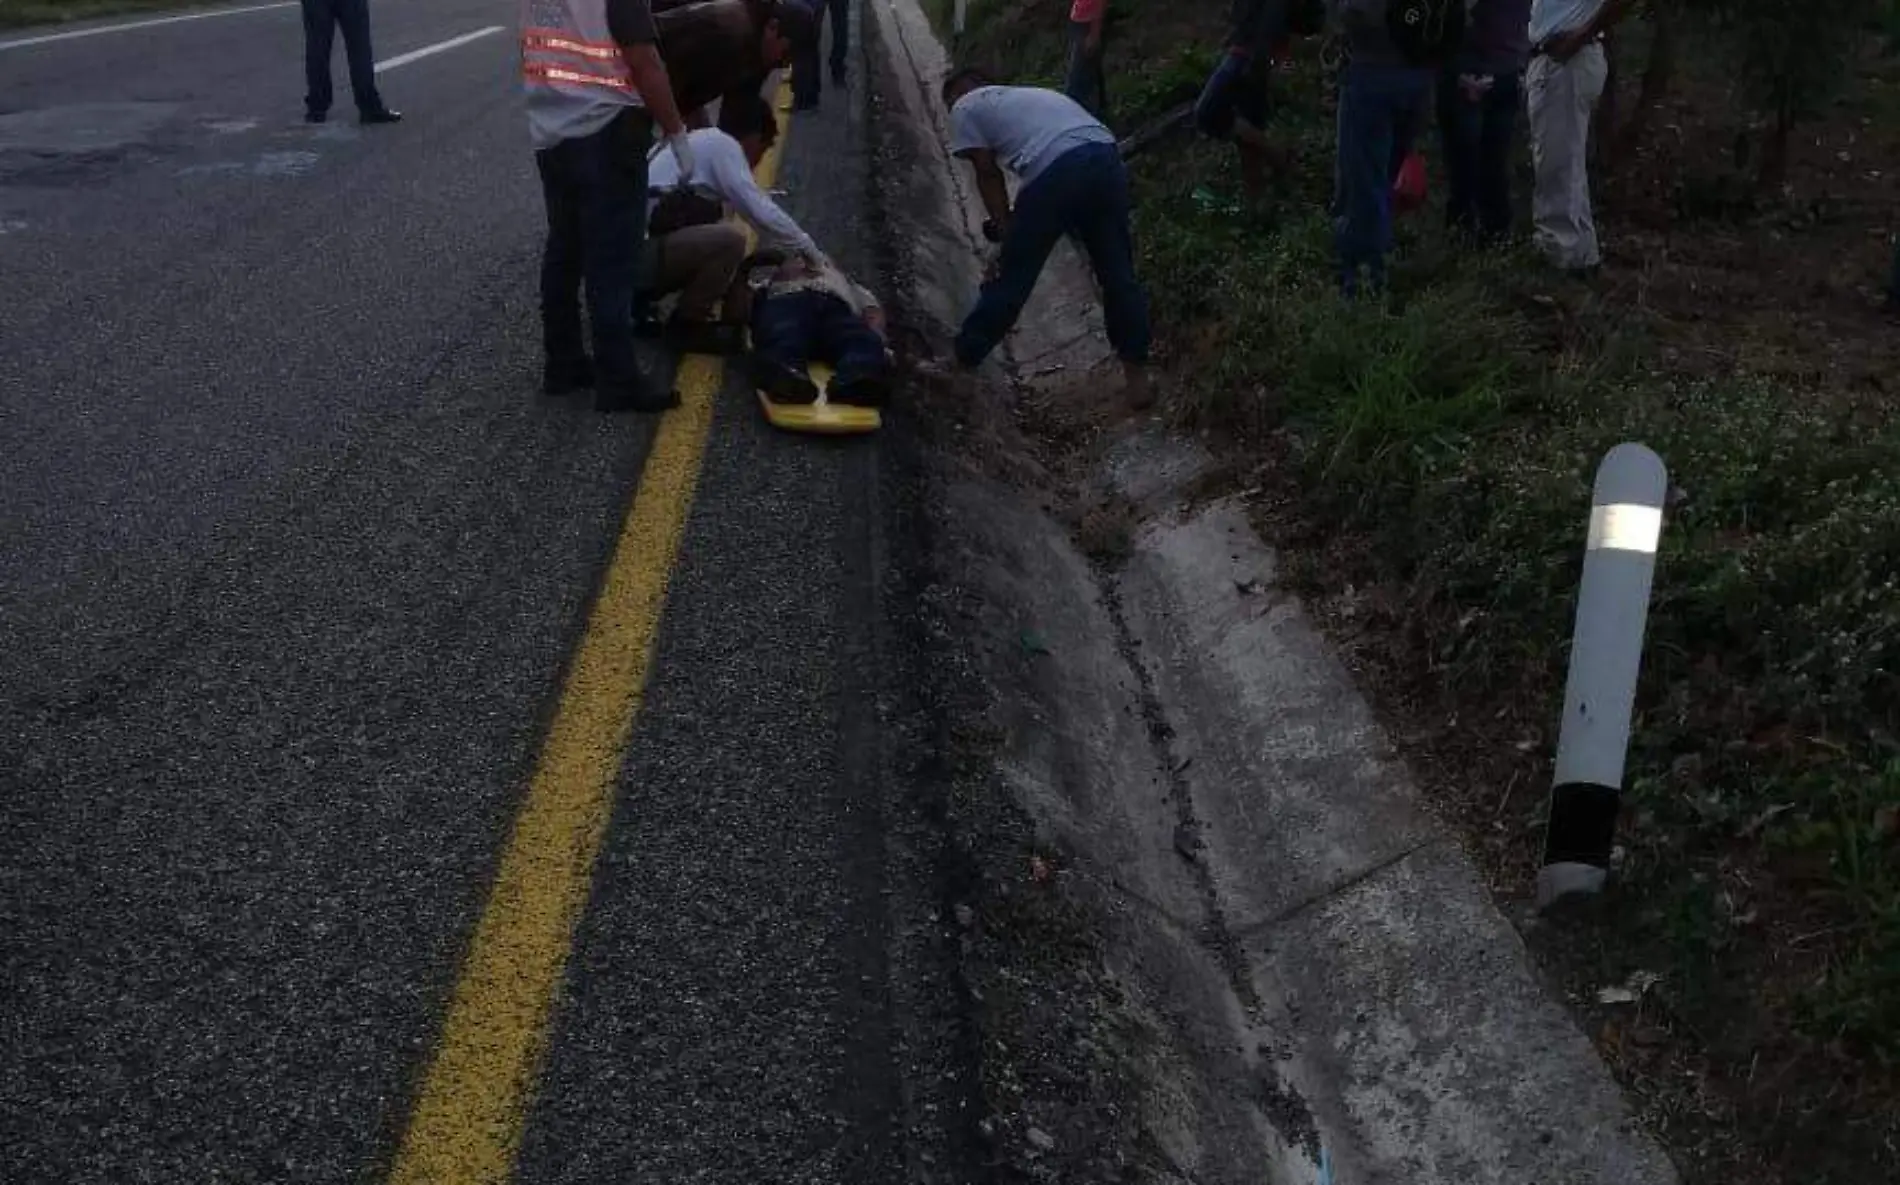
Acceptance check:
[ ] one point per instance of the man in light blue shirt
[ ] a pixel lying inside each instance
(1565, 81)
(1073, 184)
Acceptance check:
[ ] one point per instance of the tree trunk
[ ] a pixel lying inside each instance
(1774, 151)
(1603, 123)
(1658, 74)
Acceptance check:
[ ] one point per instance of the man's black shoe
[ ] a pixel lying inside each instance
(567, 377)
(837, 74)
(383, 116)
(782, 385)
(634, 397)
(315, 116)
(869, 391)
(719, 338)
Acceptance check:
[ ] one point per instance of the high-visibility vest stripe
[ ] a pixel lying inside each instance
(576, 77)
(548, 73)
(551, 39)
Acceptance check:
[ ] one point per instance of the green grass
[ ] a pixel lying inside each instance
(1456, 427)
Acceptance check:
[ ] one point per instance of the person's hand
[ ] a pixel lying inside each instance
(1565, 46)
(1475, 86)
(992, 267)
(1092, 41)
(682, 148)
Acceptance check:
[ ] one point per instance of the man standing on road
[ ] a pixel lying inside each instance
(807, 77)
(698, 253)
(595, 86)
(321, 20)
(1566, 78)
(1478, 97)
(1073, 183)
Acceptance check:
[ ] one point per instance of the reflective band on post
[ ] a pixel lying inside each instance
(1606, 659)
(1625, 526)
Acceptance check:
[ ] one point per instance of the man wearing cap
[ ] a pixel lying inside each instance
(595, 87)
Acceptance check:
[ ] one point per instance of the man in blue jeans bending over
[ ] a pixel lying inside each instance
(1073, 183)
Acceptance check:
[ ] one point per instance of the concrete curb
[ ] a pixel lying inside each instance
(1406, 1005)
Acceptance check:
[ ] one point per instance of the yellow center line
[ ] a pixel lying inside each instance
(467, 1123)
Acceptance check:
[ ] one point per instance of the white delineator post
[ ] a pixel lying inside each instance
(963, 10)
(1606, 654)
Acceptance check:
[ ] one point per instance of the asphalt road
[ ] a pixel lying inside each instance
(292, 557)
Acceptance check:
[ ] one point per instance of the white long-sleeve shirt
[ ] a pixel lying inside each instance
(721, 170)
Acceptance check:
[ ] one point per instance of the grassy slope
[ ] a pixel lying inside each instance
(1436, 458)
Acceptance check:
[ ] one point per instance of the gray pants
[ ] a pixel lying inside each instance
(1563, 97)
(699, 263)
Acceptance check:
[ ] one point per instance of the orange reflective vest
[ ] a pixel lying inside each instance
(575, 75)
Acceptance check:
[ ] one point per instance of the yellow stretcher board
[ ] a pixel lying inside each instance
(823, 418)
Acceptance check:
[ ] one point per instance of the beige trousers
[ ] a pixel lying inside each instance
(1562, 98)
(699, 263)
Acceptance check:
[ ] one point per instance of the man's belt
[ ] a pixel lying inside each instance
(1542, 49)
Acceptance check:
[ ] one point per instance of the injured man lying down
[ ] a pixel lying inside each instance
(808, 311)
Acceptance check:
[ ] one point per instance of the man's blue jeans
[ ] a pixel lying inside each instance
(1380, 108)
(1083, 193)
(595, 188)
(798, 328)
(321, 21)
(1478, 134)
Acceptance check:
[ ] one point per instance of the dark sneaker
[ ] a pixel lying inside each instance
(315, 116)
(782, 385)
(870, 391)
(837, 74)
(704, 337)
(383, 115)
(565, 378)
(636, 396)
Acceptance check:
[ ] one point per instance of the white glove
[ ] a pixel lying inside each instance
(682, 153)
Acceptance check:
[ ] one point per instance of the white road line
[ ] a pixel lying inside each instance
(427, 50)
(47, 38)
